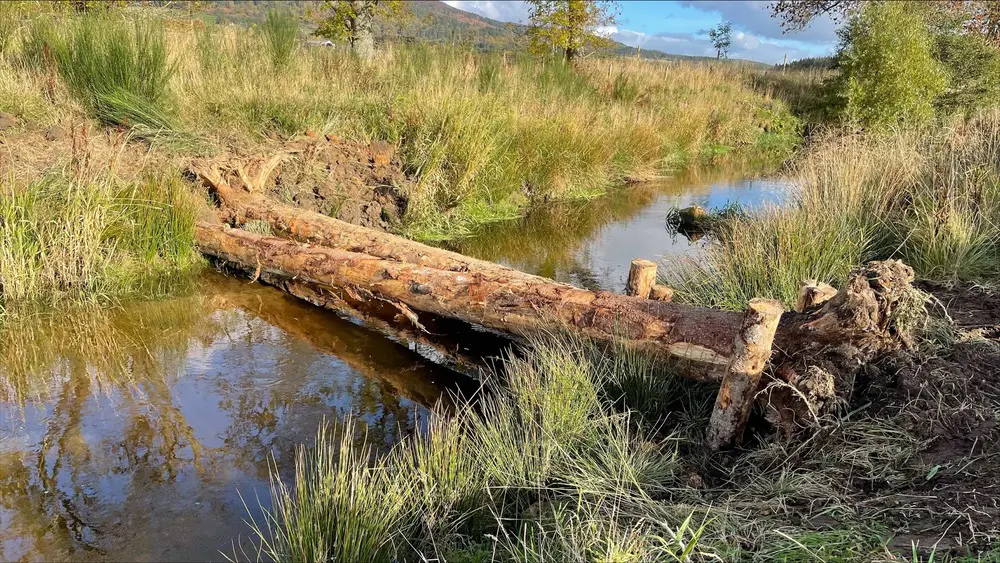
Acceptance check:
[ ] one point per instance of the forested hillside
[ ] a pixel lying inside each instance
(425, 21)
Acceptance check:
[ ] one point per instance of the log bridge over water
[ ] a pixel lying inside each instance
(351, 269)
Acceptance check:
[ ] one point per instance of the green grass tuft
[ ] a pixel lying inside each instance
(96, 238)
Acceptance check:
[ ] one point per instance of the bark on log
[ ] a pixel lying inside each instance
(239, 207)
(701, 338)
(813, 294)
(641, 278)
(752, 350)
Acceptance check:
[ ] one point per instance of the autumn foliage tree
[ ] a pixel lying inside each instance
(981, 17)
(352, 20)
(570, 25)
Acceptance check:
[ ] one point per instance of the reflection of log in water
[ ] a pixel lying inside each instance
(368, 354)
(109, 436)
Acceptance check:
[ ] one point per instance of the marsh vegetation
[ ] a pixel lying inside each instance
(571, 452)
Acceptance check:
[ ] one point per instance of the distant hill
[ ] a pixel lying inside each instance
(428, 21)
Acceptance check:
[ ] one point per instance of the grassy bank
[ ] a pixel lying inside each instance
(586, 456)
(67, 236)
(483, 137)
(930, 197)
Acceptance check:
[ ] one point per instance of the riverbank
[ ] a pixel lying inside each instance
(481, 137)
(930, 197)
(581, 454)
(586, 454)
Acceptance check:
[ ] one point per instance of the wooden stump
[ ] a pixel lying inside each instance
(641, 278)
(751, 352)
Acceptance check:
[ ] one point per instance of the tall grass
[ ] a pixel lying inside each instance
(563, 464)
(118, 69)
(484, 136)
(546, 448)
(280, 33)
(92, 237)
(929, 197)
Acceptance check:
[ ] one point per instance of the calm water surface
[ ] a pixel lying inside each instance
(130, 434)
(591, 244)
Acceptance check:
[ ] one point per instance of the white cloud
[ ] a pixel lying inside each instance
(516, 12)
(606, 31)
(745, 45)
(754, 16)
(756, 35)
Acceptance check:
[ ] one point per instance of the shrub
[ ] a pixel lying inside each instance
(973, 68)
(889, 74)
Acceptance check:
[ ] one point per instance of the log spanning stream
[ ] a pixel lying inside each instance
(131, 434)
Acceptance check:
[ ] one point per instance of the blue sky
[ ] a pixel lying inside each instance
(681, 27)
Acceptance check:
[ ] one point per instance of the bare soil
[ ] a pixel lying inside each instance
(949, 398)
(359, 183)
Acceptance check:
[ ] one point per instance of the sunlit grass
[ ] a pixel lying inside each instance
(930, 198)
(92, 237)
(483, 136)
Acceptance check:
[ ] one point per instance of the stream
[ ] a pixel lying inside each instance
(146, 432)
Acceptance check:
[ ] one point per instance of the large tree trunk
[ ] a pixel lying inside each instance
(701, 338)
(363, 42)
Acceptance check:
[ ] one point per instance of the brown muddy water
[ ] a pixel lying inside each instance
(137, 433)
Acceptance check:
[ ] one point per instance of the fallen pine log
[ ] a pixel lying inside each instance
(238, 206)
(815, 351)
(847, 331)
(702, 339)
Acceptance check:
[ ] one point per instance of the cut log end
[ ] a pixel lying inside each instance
(661, 293)
(751, 351)
(812, 294)
(641, 278)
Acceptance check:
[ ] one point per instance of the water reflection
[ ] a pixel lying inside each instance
(126, 434)
(590, 244)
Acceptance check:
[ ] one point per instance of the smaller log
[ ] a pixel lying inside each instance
(661, 293)
(641, 278)
(751, 352)
(813, 294)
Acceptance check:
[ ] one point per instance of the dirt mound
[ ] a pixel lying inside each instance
(359, 183)
(947, 399)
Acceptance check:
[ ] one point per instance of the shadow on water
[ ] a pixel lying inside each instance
(129, 433)
(590, 244)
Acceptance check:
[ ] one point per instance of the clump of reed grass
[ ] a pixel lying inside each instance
(280, 34)
(545, 448)
(118, 69)
(930, 198)
(92, 236)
